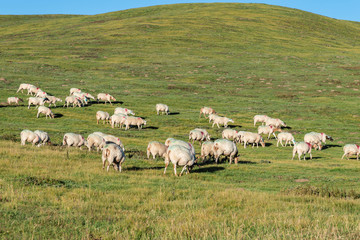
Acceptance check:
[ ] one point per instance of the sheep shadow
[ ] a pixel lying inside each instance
(330, 146)
(134, 168)
(150, 127)
(174, 113)
(268, 144)
(246, 162)
(208, 169)
(234, 126)
(287, 127)
(58, 115)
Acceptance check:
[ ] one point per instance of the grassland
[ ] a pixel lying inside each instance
(240, 59)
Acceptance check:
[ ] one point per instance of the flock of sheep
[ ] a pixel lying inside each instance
(178, 152)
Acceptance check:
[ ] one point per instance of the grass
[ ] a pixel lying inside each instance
(240, 59)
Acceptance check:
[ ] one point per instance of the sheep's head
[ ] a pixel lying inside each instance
(329, 138)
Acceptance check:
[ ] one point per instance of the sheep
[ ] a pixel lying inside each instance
(302, 148)
(227, 148)
(125, 111)
(222, 120)
(37, 101)
(100, 115)
(169, 141)
(162, 108)
(351, 149)
(29, 136)
(184, 144)
(196, 135)
(285, 136)
(111, 138)
(94, 140)
(268, 130)
(44, 137)
(105, 97)
(156, 148)
(249, 137)
(74, 90)
(45, 110)
(72, 99)
(88, 95)
(212, 116)
(24, 86)
(315, 139)
(229, 134)
(114, 155)
(260, 118)
(81, 96)
(73, 139)
(41, 94)
(181, 156)
(206, 110)
(207, 149)
(16, 100)
(206, 134)
(238, 137)
(275, 122)
(117, 120)
(33, 90)
(132, 121)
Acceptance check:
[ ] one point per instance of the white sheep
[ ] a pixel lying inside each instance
(74, 90)
(302, 148)
(44, 137)
(222, 120)
(285, 136)
(156, 148)
(53, 100)
(207, 149)
(94, 140)
(114, 155)
(227, 148)
(206, 111)
(24, 86)
(29, 136)
(88, 95)
(37, 101)
(249, 137)
(125, 111)
(41, 94)
(101, 115)
(117, 120)
(168, 141)
(260, 118)
(81, 96)
(184, 144)
(111, 138)
(16, 100)
(134, 121)
(212, 117)
(206, 134)
(230, 134)
(160, 107)
(75, 101)
(275, 122)
(196, 135)
(33, 90)
(351, 149)
(179, 156)
(315, 139)
(268, 130)
(45, 110)
(105, 97)
(73, 139)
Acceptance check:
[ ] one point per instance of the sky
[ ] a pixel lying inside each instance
(339, 9)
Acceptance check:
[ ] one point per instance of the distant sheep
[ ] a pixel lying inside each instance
(114, 155)
(111, 138)
(101, 115)
(206, 111)
(315, 139)
(75, 101)
(351, 149)
(260, 118)
(44, 137)
(207, 150)
(41, 94)
(73, 139)
(125, 111)
(268, 130)
(37, 101)
(160, 107)
(105, 97)
(94, 140)
(45, 110)
(156, 148)
(275, 122)
(179, 156)
(227, 148)
(74, 90)
(16, 100)
(24, 86)
(302, 148)
(53, 100)
(33, 90)
(29, 136)
(134, 121)
(206, 134)
(285, 136)
(117, 120)
(212, 117)
(254, 138)
(222, 121)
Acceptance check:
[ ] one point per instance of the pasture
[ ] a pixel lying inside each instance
(241, 60)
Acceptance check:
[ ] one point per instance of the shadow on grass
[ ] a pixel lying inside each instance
(287, 127)
(174, 113)
(58, 115)
(330, 146)
(150, 127)
(142, 168)
(234, 126)
(208, 169)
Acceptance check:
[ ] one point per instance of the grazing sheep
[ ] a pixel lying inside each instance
(249, 137)
(117, 120)
(227, 148)
(229, 134)
(351, 149)
(196, 135)
(162, 108)
(222, 120)
(16, 100)
(260, 118)
(315, 139)
(88, 95)
(29, 136)
(24, 86)
(207, 149)
(275, 122)
(181, 156)
(134, 121)
(94, 140)
(125, 111)
(33, 90)
(285, 136)
(105, 97)
(184, 144)
(212, 117)
(206, 134)
(81, 96)
(239, 136)
(169, 141)
(53, 100)
(302, 148)
(268, 130)
(206, 110)
(73, 139)
(100, 115)
(45, 110)
(156, 148)
(111, 138)
(74, 90)
(44, 137)
(114, 155)
(75, 101)
(41, 94)
(37, 101)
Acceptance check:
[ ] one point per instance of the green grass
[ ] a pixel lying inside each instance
(240, 59)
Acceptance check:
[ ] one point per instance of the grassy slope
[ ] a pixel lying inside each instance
(241, 59)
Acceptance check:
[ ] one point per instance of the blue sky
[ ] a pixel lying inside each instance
(339, 9)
